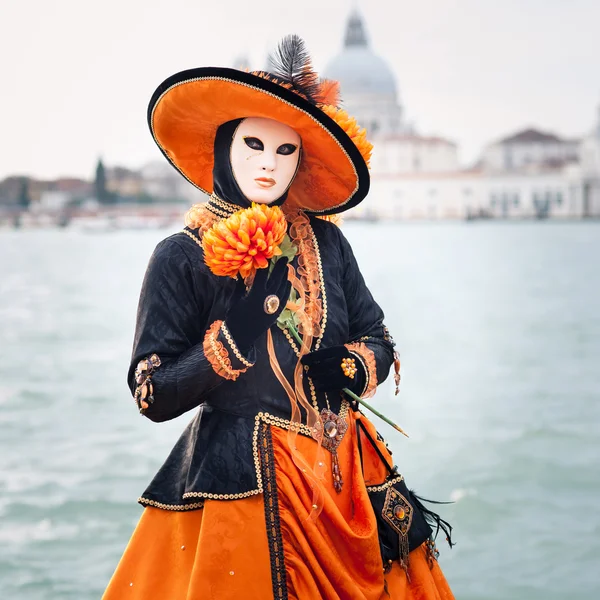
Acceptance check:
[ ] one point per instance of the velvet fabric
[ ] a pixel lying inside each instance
(247, 319)
(324, 368)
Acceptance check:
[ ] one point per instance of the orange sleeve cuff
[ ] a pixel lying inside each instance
(367, 358)
(222, 352)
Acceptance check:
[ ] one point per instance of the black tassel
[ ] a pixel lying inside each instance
(291, 64)
(432, 518)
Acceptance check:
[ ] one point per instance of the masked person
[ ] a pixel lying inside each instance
(279, 487)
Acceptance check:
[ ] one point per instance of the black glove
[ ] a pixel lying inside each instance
(325, 369)
(247, 319)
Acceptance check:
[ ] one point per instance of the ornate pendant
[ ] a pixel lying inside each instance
(397, 511)
(334, 429)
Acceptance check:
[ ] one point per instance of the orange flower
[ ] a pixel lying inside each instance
(244, 242)
(356, 133)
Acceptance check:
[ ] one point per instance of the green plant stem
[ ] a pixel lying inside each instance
(290, 326)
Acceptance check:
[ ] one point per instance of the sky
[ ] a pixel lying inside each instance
(76, 77)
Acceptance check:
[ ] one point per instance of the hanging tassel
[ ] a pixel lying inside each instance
(433, 519)
(338, 482)
(404, 553)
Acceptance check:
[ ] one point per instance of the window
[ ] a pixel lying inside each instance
(559, 198)
(493, 200)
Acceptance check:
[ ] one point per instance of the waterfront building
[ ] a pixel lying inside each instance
(530, 147)
(529, 174)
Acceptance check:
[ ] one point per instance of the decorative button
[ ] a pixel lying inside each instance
(331, 429)
(399, 512)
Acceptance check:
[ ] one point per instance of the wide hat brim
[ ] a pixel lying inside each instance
(188, 107)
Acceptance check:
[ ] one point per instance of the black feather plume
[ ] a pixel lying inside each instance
(291, 64)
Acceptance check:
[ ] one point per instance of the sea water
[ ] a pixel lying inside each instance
(498, 327)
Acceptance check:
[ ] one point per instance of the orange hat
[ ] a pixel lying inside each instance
(186, 110)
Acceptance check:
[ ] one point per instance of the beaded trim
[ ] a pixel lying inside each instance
(221, 207)
(271, 504)
(147, 502)
(210, 496)
(257, 470)
(261, 418)
(218, 356)
(384, 486)
(284, 423)
(234, 347)
(268, 419)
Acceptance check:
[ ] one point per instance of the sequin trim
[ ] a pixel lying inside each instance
(233, 346)
(269, 419)
(384, 486)
(147, 502)
(217, 354)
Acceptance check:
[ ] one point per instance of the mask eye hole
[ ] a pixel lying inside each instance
(254, 143)
(287, 149)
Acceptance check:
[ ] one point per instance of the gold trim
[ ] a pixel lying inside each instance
(233, 346)
(264, 418)
(210, 496)
(190, 234)
(222, 205)
(284, 423)
(261, 417)
(147, 502)
(291, 341)
(214, 78)
(366, 371)
(385, 485)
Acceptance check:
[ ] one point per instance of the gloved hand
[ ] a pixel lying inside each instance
(247, 318)
(324, 367)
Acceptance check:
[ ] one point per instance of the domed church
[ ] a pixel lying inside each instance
(370, 93)
(368, 86)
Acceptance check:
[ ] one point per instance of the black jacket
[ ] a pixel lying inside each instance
(180, 299)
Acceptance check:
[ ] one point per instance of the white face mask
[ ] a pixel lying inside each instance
(265, 155)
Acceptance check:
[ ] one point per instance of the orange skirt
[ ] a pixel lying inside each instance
(264, 546)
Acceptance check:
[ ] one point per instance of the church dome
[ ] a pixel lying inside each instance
(358, 69)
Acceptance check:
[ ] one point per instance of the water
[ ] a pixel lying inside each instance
(499, 331)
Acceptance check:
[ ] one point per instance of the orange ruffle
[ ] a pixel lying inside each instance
(367, 357)
(199, 217)
(218, 355)
(301, 233)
